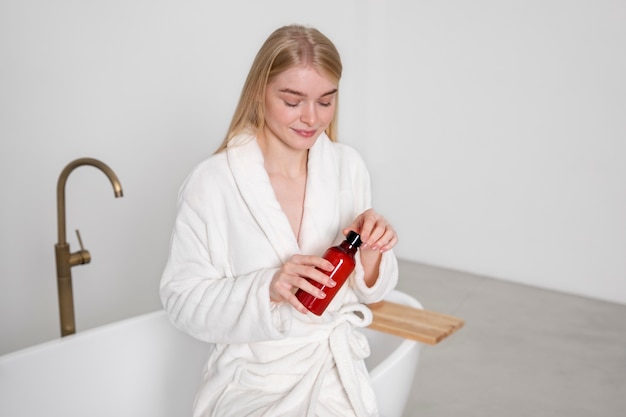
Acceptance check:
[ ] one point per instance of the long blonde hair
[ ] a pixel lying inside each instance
(285, 48)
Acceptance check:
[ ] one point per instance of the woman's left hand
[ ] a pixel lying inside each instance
(376, 232)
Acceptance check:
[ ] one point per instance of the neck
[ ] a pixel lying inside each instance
(283, 160)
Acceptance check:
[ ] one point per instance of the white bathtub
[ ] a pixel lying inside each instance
(143, 366)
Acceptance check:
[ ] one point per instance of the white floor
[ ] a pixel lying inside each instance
(522, 352)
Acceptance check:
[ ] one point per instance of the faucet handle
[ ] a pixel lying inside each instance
(82, 256)
(80, 241)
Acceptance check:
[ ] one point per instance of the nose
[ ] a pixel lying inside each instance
(309, 114)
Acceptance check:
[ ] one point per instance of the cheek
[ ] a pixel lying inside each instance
(278, 114)
(327, 115)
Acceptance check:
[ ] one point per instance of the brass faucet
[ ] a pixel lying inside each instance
(64, 259)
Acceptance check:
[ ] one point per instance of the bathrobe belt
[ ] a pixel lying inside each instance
(348, 347)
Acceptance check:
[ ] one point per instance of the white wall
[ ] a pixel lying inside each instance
(493, 134)
(504, 141)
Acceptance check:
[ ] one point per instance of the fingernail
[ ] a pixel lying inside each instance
(321, 294)
(331, 283)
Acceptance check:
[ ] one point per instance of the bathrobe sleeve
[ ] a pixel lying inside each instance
(201, 290)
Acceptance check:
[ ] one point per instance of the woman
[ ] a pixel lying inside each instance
(252, 222)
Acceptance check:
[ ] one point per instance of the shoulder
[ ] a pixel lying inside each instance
(207, 170)
(348, 153)
(207, 178)
(349, 160)
(345, 155)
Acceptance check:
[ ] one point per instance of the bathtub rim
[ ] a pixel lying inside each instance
(405, 346)
(76, 337)
(395, 296)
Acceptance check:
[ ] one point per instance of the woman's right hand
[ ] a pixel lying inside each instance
(293, 276)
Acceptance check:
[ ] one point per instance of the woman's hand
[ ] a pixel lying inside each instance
(376, 232)
(293, 275)
(377, 236)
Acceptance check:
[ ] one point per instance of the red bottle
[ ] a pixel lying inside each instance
(342, 257)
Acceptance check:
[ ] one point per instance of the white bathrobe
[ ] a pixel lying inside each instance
(230, 237)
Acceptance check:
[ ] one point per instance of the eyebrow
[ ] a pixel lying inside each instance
(301, 94)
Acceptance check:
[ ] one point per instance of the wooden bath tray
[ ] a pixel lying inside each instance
(413, 323)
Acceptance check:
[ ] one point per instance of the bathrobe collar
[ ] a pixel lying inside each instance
(320, 221)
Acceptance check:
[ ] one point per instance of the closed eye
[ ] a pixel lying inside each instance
(329, 95)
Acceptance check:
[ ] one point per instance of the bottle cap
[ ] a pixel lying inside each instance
(353, 238)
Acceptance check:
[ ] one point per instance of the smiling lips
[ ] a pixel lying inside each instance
(305, 133)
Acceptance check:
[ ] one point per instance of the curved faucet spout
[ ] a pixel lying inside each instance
(117, 188)
(65, 260)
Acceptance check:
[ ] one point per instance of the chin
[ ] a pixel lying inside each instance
(302, 143)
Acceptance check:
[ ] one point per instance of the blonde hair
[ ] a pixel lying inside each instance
(285, 48)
